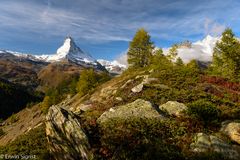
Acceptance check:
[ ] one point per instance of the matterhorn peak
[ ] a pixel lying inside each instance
(70, 51)
(68, 47)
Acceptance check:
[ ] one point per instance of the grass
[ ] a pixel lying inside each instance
(32, 143)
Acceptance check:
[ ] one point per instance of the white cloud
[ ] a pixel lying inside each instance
(122, 58)
(100, 21)
(95, 22)
(213, 28)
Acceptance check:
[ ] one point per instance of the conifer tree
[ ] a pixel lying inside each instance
(140, 49)
(226, 56)
(173, 52)
(159, 60)
(193, 65)
(179, 62)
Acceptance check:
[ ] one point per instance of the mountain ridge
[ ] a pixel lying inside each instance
(200, 50)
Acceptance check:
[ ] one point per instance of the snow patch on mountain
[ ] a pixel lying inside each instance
(112, 66)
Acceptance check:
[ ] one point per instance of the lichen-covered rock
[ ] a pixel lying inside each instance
(174, 108)
(65, 136)
(209, 143)
(137, 109)
(232, 130)
(201, 143)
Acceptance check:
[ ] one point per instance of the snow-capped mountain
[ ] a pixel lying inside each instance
(112, 66)
(70, 51)
(200, 50)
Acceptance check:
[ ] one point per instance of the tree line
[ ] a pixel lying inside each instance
(225, 59)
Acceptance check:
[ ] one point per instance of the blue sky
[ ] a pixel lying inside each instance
(105, 27)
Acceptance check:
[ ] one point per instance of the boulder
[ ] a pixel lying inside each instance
(210, 143)
(232, 130)
(174, 108)
(119, 98)
(66, 138)
(139, 108)
(201, 143)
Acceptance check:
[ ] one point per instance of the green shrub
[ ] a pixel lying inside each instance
(1, 132)
(13, 118)
(46, 103)
(137, 138)
(56, 94)
(204, 110)
(32, 143)
(89, 80)
(31, 104)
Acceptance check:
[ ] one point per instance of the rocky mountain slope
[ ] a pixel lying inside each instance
(14, 98)
(67, 51)
(20, 70)
(35, 72)
(147, 114)
(161, 111)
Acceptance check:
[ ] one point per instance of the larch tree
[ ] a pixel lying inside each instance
(226, 56)
(179, 62)
(140, 49)
(172, 54)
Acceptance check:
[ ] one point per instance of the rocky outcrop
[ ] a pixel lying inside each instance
(126, 83)
(65, 136)
(209, 143)
(105, 93)
(174, 108)
(82, 108)
(232, 130)
(146, 80)
(137, 109)
(137, 88)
